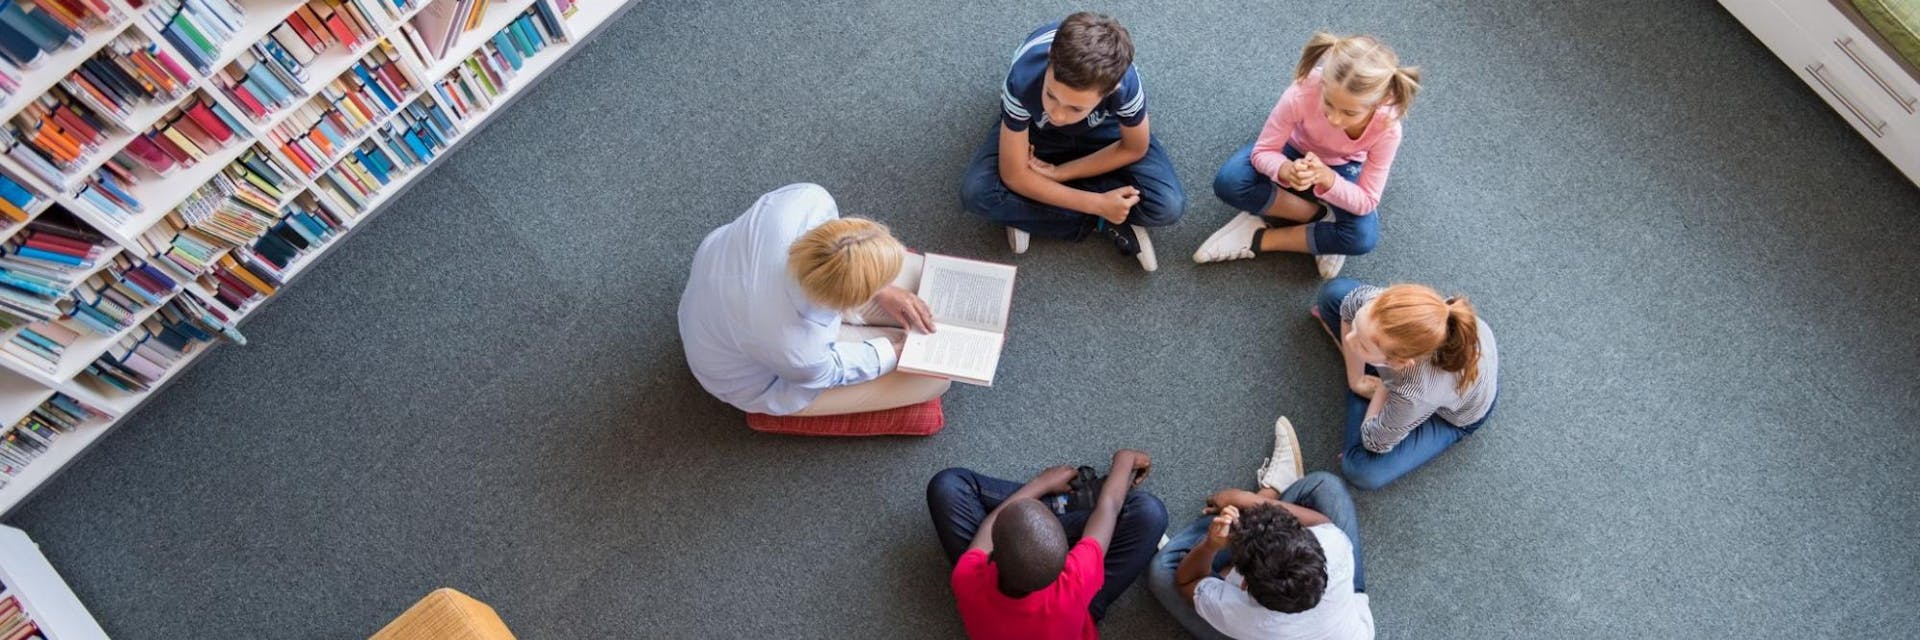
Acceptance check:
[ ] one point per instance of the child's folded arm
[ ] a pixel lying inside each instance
(1363, 197)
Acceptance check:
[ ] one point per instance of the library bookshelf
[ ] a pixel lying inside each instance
(227, 228)
(33, 594)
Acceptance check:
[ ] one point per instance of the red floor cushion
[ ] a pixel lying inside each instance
(922, 419)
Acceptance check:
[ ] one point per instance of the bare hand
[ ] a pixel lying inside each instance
(1367, 386)
(1221, 531)
(1057, 479)
(1295, 175)
(1045, 169)
(1132, 461)
(1117, 204)
(1318, 174)
(905, 308)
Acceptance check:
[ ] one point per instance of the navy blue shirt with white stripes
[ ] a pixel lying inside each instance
(1020, 105)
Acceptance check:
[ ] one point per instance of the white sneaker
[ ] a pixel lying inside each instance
(1018, 240)
(1330, 265)
(1232, 242)
(1147, 259)
(1285, 466)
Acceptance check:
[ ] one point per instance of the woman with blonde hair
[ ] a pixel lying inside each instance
(1330, 141)
(1422, 374)
(793, 310)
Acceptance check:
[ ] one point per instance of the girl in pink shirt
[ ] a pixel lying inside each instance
(1330, 142)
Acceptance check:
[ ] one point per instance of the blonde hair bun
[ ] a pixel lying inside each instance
(842, 263)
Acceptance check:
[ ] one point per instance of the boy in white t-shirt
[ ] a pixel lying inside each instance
(1271, 564)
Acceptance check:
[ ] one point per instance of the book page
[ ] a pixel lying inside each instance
(967, 293)
(953, 351)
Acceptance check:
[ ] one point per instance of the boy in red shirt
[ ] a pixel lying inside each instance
(1015, 574)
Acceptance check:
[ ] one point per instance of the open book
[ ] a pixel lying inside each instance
(969, 300)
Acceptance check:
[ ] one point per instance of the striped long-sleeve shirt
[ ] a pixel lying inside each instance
(1423, 391)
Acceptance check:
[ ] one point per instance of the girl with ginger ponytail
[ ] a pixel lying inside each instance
(1330, 144)
(1422, 374)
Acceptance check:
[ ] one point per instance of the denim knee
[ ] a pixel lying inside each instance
(1363, 475)
(1333, 293)
(1146, 510)
(1159, 207)
(981, 191)
(949, 484)
(1241, 187)
(1353, 236)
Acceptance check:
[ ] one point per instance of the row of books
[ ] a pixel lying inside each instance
(198, 29)
(410, 140)
(129, 72)
(57, 132)
(42, 263)
(118, 297)
(30, 30)
(141, 359)
(306, 226)
(199, 128)
(187, 251)
(481, 78)
(15, 624)
(183, 138)
(233, 212)
(320, 131)
(270, 75)
(441, 22)
(16, 200)
(32, 436)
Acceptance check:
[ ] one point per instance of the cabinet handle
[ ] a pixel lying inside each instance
(1846, 46)
(1819, 75)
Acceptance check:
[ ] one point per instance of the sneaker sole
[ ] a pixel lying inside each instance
(1147, 259)
(1200, 256)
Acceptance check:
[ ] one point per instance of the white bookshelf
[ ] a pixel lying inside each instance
(30, 579)
(23, 386)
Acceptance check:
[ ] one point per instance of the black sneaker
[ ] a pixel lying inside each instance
(1122, 237)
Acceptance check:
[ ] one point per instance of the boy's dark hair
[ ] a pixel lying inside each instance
(1285, 568)
(1029, 547)
(1090, 52)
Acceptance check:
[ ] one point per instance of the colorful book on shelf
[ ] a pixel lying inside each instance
(41, 344)
(16, 199)
(146, 355)
(321, 132)
(22, 442)
(198, 29)
(198, 128)
(263, 80)
(30, 30)
(126, 74)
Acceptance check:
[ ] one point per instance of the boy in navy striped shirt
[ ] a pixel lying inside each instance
(1072, 155)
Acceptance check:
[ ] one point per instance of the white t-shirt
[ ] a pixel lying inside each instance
(1341, 614)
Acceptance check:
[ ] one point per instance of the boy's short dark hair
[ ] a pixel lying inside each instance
(1285, 568)
(1091, 52)
(1029, 547)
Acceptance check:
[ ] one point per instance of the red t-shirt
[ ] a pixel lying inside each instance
(1058, 611)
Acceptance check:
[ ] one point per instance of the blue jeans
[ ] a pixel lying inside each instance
(1319, 491)
(1368, 470)
(1241, 186)
(959, 499)
(1162, 200)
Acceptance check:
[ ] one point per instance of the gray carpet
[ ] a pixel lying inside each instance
(1701, 278)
